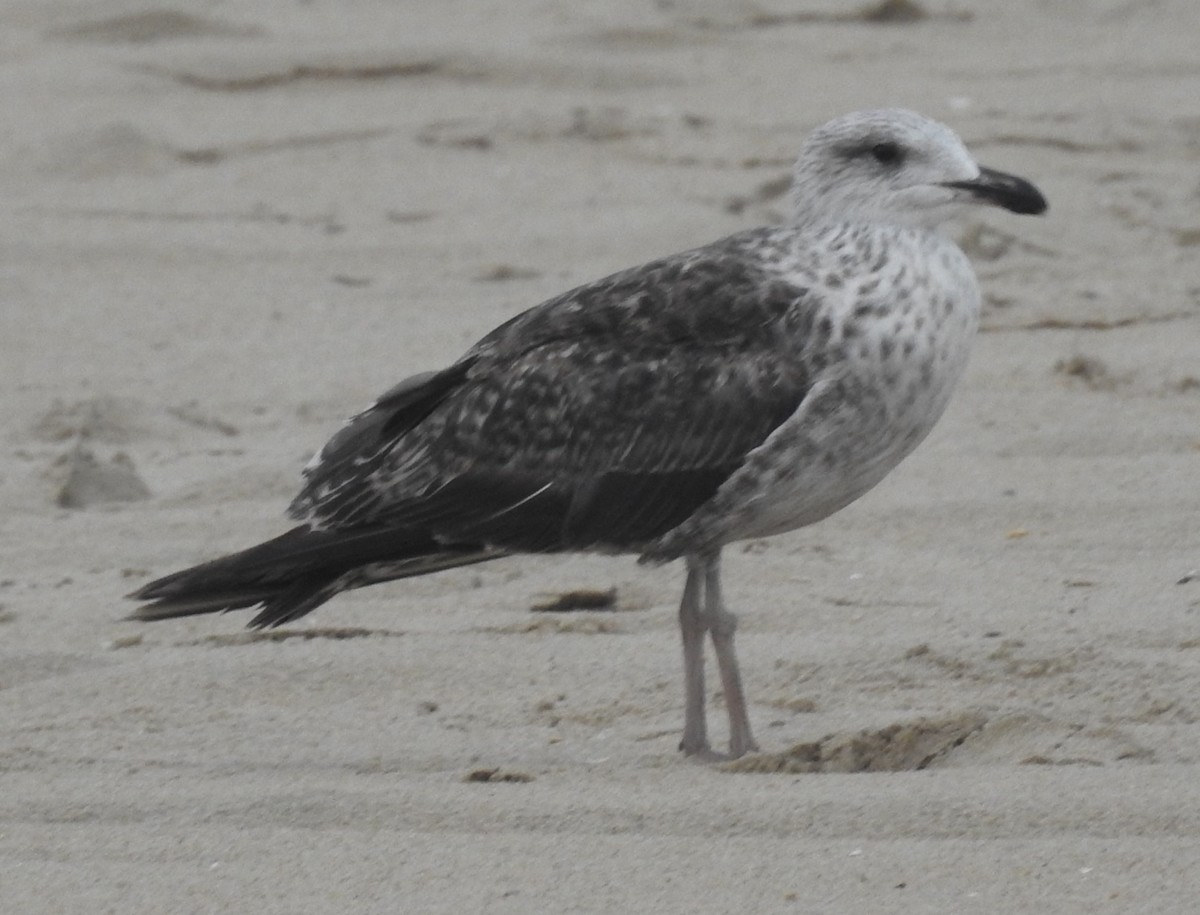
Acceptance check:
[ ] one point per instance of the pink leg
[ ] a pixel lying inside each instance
(721, 625)
(692, 625)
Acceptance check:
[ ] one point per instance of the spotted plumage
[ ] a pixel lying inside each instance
(741, 389)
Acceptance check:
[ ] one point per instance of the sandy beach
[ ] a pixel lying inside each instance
(228, 226)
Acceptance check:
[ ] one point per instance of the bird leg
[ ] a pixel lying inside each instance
(692, 625)
(721, 625)
(701, 611)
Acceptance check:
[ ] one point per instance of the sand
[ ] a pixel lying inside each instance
(227, 226)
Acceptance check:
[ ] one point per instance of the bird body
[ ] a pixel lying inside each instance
(741, 389)
(881, 369)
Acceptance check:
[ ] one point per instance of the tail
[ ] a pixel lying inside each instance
(297, 572)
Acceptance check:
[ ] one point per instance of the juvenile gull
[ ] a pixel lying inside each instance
(742, 389)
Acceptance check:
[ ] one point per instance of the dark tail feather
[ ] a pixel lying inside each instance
(297, 572)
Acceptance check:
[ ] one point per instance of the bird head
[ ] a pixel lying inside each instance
(897, 166)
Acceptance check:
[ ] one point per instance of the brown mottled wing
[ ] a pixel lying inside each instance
(598, 420)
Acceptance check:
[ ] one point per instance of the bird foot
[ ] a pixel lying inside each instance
(697, 747)
(738, 749)
(703, 752)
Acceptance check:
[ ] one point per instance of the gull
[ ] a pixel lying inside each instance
(742, 389)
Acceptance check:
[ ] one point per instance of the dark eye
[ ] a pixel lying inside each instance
(887, 153)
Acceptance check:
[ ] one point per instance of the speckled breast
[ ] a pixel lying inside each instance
(895, 334)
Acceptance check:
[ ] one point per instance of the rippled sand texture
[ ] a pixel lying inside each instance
(227, 226)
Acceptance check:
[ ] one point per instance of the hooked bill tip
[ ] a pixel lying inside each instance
(1004, 190)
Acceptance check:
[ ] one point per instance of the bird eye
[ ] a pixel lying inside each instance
(887, 153)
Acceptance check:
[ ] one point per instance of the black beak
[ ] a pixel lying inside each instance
(1014, 194)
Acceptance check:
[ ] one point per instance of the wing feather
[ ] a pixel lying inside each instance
(598, 420)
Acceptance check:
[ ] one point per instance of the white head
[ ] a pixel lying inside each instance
(896, 166)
